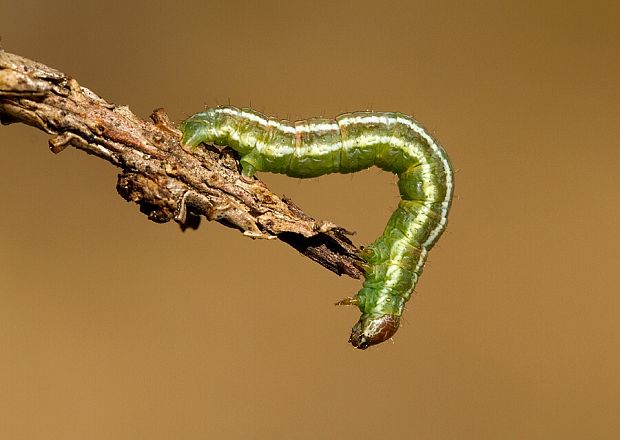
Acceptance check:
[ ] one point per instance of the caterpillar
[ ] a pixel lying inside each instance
(352, 142)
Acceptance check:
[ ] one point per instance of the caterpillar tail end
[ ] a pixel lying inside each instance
(372, 330)
(192, 133)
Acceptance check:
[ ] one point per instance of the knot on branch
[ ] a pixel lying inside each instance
(154, 199)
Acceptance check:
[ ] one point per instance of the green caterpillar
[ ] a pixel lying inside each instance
(352, 142)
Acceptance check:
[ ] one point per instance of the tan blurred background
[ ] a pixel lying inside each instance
(112, 327)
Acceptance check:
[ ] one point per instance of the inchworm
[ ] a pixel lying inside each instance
(352, 142)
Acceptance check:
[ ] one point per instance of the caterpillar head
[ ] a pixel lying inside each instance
(371, 330)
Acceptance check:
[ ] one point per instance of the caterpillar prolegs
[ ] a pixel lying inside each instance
(352, 142)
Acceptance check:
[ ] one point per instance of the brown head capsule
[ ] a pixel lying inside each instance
(371, 330)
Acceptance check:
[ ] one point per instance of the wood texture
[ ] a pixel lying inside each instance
(165, 180)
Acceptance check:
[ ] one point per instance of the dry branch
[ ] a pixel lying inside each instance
(165, 180)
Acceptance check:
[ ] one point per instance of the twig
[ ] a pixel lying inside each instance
(165, 180)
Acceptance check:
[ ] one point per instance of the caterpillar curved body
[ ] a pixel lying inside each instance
(352, 142)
